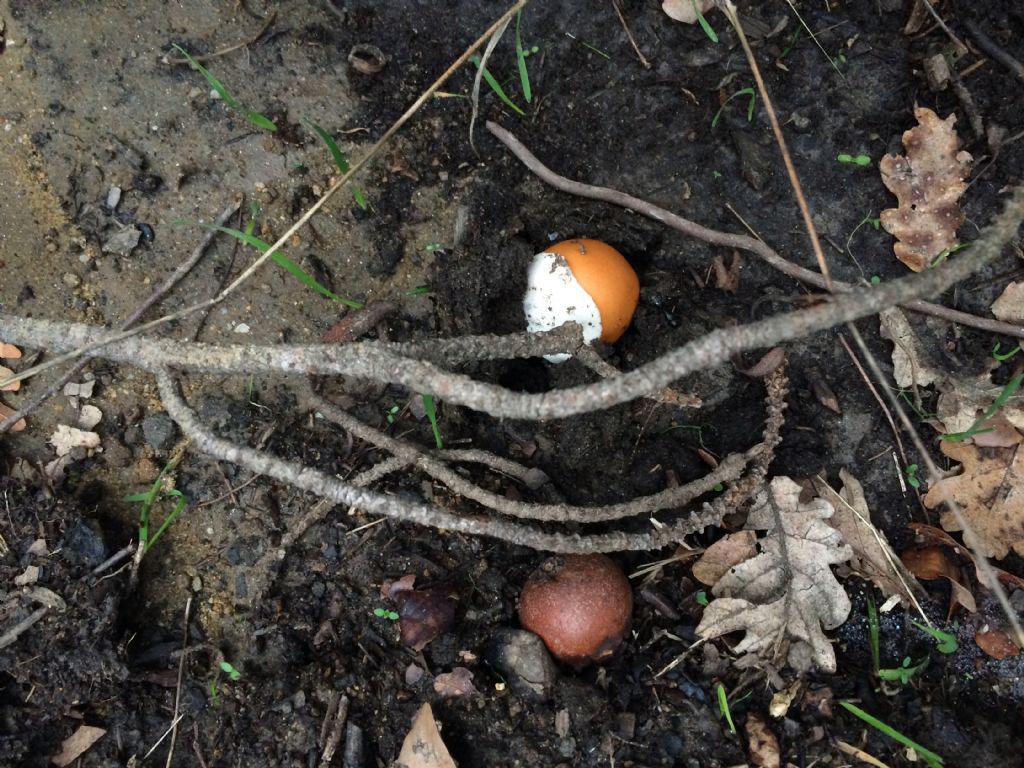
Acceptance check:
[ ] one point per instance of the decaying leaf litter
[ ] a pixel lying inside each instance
(332, 622)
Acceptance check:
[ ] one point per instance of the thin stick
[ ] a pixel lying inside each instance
(961, 49)
(725, 239)
(276, 246)
(629, 36)
(994, 51)
(181, 677)
(794, 181)
(871, 387)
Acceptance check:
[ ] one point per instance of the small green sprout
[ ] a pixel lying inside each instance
(419, 290)
(933, 760)
(253, 117)
(718, 487)
(739, 94)
(149, 498)
(902, 673)
(723, 707)
(945, 254)
(708, 30)
(875, 280)
(716, 174)
(944, 641)
(1003, 357)
(230, 671)
(912, 479)
(431, 247)
(382, 613)
(861, 160)
(975, 429)
(431, 411)
(392, 413)
(702, 598)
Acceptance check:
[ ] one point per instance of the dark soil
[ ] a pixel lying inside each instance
(87, 103)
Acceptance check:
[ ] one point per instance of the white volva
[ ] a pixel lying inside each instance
(554, 297)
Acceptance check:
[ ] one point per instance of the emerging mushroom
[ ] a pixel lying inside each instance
(580, 605)
(585, 281)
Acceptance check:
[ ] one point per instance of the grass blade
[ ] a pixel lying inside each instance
(489, 78)
(260, 121)
(431, 411)
(339, 157)
(213, 81)
(303, 276)
(524, 75)
(933, 760)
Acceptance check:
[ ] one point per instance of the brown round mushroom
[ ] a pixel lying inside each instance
(580, 605)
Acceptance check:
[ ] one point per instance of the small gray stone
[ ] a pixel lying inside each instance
(521, 658)
(159, 430)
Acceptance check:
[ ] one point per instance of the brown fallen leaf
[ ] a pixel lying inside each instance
(1009, 307)
(458, 682)
(9, 351)
(990, 492)
(997, 644)
(929, 534)
(424, 614)
(728, 278)
(6, 373)
(935, 563)
(5, 412)
(724, 554)
(872, 555)
(423, 747)
(763, 746)
(927, 182)
(75, 745)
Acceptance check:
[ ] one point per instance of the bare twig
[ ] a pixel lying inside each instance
(181, 677)
(725, 239)
(798, 192)
(988, 45)
(629, 36)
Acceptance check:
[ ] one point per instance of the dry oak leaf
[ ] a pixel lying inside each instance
(787, 592)
(729, 550)
(990, 492)
(1009, 307)
(872, 556)
(927, 182)
(423, 747)
(910, 363)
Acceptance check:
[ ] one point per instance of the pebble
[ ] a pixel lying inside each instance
(71, 280)
(82, 543)
(521, 658)
(159, 431)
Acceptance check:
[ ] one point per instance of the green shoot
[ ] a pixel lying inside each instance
(750, 105)
(944, 641)
(861, 160)
(419, 290)
(874, 632)
(702, 598)
(253, 117)
(933, 760)
(921, 414)
(213, 693)
(716, 174)
(382, 613)
(431, 411)
(792, 44)
(1003, 357)
(283, 261)
(393, 411)
(975, 429)
(231, 672)
(902, 673)
(912, 479)
(718, 488)
(339, 159)
(875, 280)
(496, 87)
(431, 247)
(707, 31)
(524, 75)
(723, 707)
(148, 499)
(942, 256)
(588, 46)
